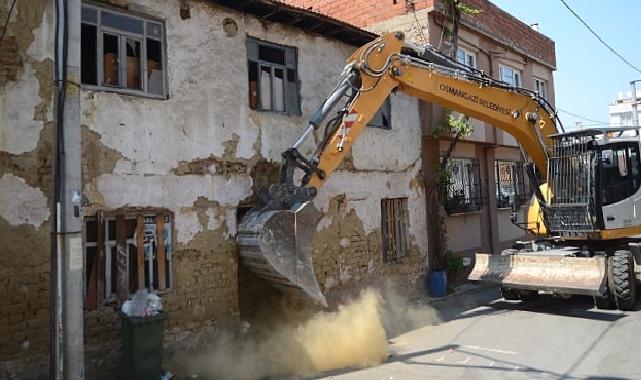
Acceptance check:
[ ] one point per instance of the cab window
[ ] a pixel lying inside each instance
(620, 171)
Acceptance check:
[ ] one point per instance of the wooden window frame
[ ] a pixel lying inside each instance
(99, 279)
(291, 63)
(394, 226)
(123, 35)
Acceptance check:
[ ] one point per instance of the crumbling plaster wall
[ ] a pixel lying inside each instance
(207, 117)
(26, 94)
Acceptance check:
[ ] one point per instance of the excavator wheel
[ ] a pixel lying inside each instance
(509, 294)
(624, 288)
(607, 301)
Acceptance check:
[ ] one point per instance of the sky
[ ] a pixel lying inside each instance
(588, 76)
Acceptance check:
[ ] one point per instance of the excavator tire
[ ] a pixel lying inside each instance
(624, 289)
(607, 301)
(509, 294)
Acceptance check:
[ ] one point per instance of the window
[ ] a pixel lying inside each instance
(120, 52)
(541, 87)
(620, 171)
(510, 75)
(509, 181)
(273, 80)
(383, 117)
(464, 188)
(125, 253)
(466, 57)
(394, 221)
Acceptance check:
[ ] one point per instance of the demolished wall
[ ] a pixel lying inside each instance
(198, 155)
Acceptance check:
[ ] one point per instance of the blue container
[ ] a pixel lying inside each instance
(437, 283)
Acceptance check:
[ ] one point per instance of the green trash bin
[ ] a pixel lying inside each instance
(142, 346)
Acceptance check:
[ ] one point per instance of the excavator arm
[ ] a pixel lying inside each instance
(275, 237)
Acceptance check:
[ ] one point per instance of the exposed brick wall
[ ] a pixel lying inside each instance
(492, 20)
(510, 31)
(360, 13)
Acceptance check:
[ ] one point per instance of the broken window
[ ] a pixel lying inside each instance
(125, 253)
(510, 75)
(383, 117)
(273, 81)
(394, 222)
(464, 188)
(509, 182)
(122, 52)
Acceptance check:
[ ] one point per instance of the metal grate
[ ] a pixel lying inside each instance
(509, 181)
(464, 192)
(394, 220)
(571, 175)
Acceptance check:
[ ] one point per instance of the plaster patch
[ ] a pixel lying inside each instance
(187, 225)
(213, 221)
(172, 191)
(19, 132)
(21, 203)
(41, 47)
(230, 220)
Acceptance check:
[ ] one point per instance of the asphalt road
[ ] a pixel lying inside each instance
(544, 339)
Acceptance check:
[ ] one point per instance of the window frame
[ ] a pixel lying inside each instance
(517, 77)
(105, 244)
(122, 41)
(466, 53)
(399, 224)
(519, 187)
(260, 63)
(472, 189)
(541, 83)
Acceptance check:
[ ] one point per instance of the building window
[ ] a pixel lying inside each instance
(383, 117)
(464, 188)
(509, 182)
(121, 52)
(394, 222)
(466, 57)
(510, 75)
(125, 253)
(540, 86)
(273, 77)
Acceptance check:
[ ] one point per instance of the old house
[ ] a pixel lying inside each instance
(186, 107)
(486, 167)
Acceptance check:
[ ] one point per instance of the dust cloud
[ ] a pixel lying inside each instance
(354, 335)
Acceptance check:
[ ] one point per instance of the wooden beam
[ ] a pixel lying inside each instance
(160, 251)
(102, 254)
(122, 260)
(140, 250)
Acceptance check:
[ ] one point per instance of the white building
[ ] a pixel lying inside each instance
(620, 110)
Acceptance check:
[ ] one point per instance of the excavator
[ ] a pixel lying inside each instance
(582, 218)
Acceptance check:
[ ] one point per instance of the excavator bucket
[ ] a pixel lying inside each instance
(276, 246)
(555, 273)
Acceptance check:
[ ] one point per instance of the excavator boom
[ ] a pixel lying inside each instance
(275, 237)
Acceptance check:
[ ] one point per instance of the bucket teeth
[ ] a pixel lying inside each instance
(276, 246)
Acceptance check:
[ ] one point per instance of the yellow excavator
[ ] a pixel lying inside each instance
(586, 184)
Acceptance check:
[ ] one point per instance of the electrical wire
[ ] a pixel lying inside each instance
(599, 38)
(6, 23)
(597, 122)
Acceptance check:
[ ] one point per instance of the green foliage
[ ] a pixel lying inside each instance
(453, 126)
(453, 264)
(464, 8)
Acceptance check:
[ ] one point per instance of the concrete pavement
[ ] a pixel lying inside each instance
(543, 339)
